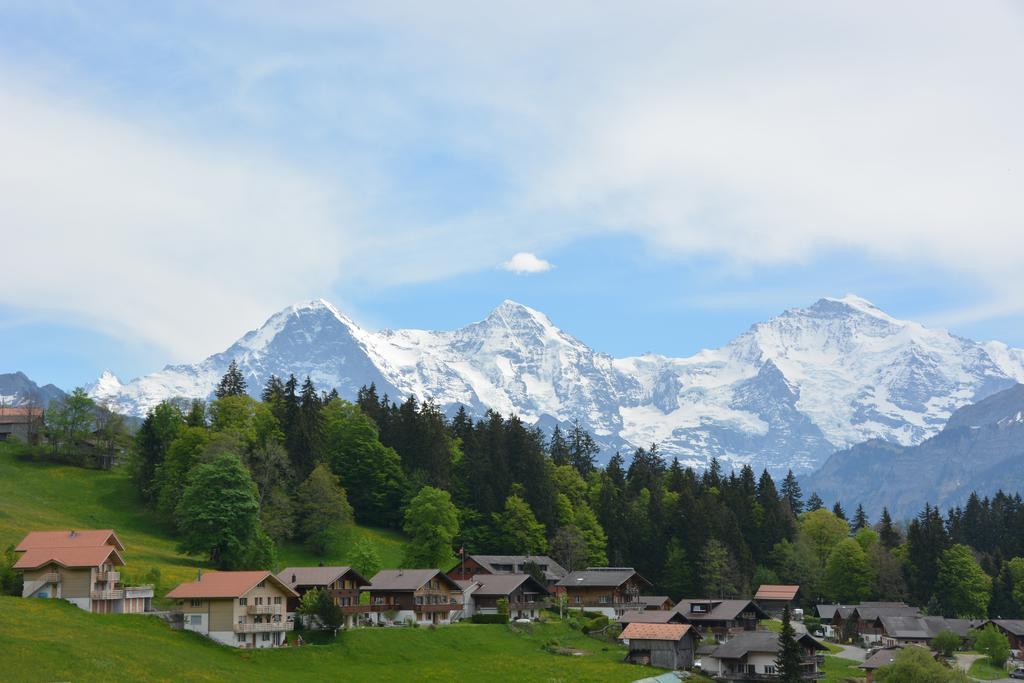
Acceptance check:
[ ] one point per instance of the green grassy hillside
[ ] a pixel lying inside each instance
(39, 496)
(48, 640)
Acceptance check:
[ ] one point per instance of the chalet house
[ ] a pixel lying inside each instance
(751, 655)
(656, 602)
(608, 590)
(1013, 629)
(651, 616)
(884, 657)
(80, 567)
(666, 646)
(899, 631)
(722, 617)
(773, 599)
(23, 424)
(343, 583)
(526, 596)
(240, 609)
(415, 595)
(861, 621)
(474, 565)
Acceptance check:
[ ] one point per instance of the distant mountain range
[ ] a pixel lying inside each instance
(16, 389)
(980, 449)
(786, 393)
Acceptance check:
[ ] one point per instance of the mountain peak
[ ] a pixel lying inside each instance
(513, 310)
(850, 303)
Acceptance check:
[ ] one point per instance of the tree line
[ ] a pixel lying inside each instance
(239, 476)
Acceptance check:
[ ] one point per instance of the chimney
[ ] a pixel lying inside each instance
(73, 533)
(199, 574)
(293, 578)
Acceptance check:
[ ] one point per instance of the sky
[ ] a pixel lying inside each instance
(655, 176)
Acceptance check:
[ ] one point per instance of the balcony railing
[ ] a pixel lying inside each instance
(264, 627)
(445, 607)
(814, 659)
(110, 575)
(138, 591)
(263, 609)
(107, 594)
(361, 609)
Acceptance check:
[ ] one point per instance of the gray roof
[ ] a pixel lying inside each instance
(606, 577)
(654, 600)
(553, 570)
(757, 641)
(883, 657)
(503, 584)
(317, 576)
(718, 610)
(869, 611)
(1013, 626)
(408, 579)
(925, 628)
(649, 616)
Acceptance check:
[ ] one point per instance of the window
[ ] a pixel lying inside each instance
(240, 637)
(259, 600)
(604, 599)
(265, 637)
(262, 584)
(576, 599)
(277, 600)
(698, 608)
(196, 619)
(197, 603)
(769, 668)
(243, 601)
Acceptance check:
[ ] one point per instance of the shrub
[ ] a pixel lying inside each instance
(595, 624)
(945, 643)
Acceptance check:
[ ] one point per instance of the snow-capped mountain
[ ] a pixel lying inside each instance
(786, 393)
(16, 389)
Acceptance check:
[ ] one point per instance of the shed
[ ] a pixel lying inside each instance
(666, 646)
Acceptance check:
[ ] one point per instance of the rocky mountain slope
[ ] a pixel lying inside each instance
(980, 449)
(16, 389)
(786, 393)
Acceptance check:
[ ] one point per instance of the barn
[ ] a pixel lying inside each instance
(666, 646)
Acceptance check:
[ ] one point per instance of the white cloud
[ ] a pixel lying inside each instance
(147, 237)
(525, 262)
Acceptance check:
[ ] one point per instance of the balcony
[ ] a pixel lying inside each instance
(819, 660)
(264, 627)
(110, 576)
(263, 609)
(361, 609)
(138, 591)
(107, 595)
(445, 607)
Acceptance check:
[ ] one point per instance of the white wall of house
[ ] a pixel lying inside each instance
(405, 616)
(197, 622)
(763, 662)
(81, 603)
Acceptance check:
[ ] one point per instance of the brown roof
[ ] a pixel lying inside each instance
(637, 631)
(9, 415)
(649, 616)
(408, 579)
(883, 657)
(67, 538)
(318, 576)
(91, 556)
(776, 592)
(226, 585)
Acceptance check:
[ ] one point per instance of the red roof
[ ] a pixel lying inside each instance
(640, 631)
(776, 592)
(92, 556)
(226, 585)
(11, 415)
(67, 538)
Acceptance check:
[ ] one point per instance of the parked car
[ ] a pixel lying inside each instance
(1017, 673)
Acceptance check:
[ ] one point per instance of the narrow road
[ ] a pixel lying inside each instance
(858, 654)
(964, 661)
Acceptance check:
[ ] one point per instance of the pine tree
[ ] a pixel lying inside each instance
(792, 494)
(860, 519)
(838, 511)
(814, 502)
(788, 665)
(582, 449)
(558, 447)
(888, 534)
(232, 383)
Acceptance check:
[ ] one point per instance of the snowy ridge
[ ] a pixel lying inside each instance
(785, 393)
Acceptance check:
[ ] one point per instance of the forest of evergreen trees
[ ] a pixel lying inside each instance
(305, 462)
